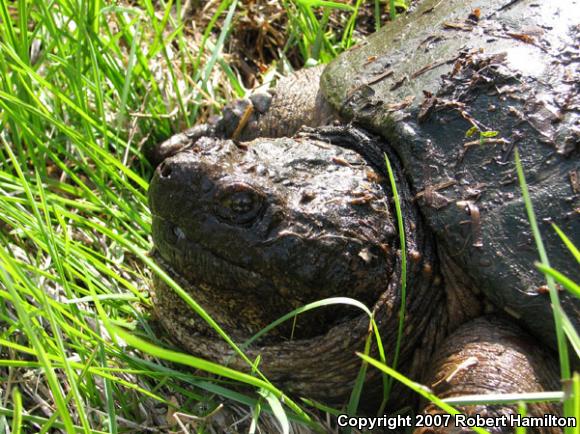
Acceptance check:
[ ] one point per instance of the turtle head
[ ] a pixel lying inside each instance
(258, 230)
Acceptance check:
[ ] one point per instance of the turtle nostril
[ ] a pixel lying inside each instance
(165, 170)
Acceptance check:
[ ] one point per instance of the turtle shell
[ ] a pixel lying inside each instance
(455, 88)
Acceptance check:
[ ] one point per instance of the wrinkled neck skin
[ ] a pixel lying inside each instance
(253, 232)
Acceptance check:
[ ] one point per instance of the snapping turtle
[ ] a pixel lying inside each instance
(276, 218)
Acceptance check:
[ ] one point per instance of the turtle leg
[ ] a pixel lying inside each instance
(296, 101)
(491, 354)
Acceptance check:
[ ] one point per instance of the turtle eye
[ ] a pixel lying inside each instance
(239, 203)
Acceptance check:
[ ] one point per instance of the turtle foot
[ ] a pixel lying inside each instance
(491, 355)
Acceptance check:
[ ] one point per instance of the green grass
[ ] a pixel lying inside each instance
(85, 88)
(402, 309)
(561, 322)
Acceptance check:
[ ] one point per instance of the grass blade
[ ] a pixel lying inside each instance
(416, 387)
(568, 243)
(506, 398)
(277, 410)
(567, 283)
(403, 246)
(204, 365)
(17, 417)
(562, 347)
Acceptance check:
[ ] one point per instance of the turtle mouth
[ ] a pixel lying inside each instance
(201, 265)
(227, 308)
(240, 300)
